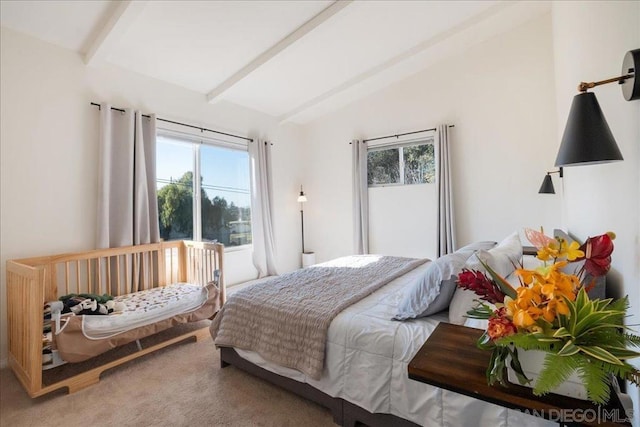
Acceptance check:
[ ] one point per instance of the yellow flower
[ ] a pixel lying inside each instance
(549, 252)
(573, 251)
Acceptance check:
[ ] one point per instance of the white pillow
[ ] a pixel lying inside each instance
(502, 259)
(432, 292)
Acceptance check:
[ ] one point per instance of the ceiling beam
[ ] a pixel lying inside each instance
(121, 19)
(397, 59)
(274, 50)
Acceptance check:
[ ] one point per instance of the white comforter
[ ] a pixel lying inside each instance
(366, 364)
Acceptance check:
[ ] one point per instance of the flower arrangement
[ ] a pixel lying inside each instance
(552, 312)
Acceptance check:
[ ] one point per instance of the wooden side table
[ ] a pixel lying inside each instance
(449, 359)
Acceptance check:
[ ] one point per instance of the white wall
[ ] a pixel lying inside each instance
(590, 40)
(500, 96)
(49, 154)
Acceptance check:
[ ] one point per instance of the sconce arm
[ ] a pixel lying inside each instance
(583, 86)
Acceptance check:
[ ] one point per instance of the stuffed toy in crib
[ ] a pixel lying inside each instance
(91, 304)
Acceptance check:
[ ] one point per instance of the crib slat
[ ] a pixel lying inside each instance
(66, 278)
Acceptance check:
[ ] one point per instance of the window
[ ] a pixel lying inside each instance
(409, 163)
(218, 173)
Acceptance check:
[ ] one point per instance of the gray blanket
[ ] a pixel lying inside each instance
(286, 318)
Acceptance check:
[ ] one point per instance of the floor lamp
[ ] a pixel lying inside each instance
(308, 258)
(302, 198)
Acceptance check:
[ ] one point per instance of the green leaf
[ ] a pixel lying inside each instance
(621, 352)
(485, 342)
(561, 332)
(480, 311)
(595, 379)
(504, 286)
(496, 368)
(527, 341)
(600, 354)
(593, 320)
(555, 371)
(569, 349)
(517, 368)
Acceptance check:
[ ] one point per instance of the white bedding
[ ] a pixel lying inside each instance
(366, 364)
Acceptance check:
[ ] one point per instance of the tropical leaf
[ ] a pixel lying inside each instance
(517, 368)
(485, 342)
(625, 371)
(592, 320)
(569, 349)
(596, 381)
(528, 341)
(480, 311)
(600, 354)
(621, 353)
(561, 332)
(600, 304)
(632, 339)
(504, 286)
(621, 304)
(555, 371)
(496, 368)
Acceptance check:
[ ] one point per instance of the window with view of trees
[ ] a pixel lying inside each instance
(222, 210)
(406, 164)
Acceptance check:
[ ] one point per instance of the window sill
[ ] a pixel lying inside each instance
(238, 248)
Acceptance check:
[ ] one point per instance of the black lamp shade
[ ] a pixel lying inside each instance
(547, 186)
(587, 138)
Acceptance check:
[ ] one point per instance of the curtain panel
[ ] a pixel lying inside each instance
(445, 218)
(261, 208)
(360, 197)
(127, 200)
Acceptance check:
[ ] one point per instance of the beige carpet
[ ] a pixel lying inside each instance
(182, 385)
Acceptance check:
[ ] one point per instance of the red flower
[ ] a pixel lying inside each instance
(500, 325)
(477, 282)
(597, 256)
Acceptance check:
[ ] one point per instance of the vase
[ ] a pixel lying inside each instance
(532, 362)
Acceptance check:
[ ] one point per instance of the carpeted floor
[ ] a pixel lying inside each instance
(182, 385)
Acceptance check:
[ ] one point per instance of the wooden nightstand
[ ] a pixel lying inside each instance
(449, 359)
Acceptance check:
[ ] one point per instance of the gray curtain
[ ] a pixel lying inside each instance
(360, 198)
(261, 208)
(446, 226)
(127, 200)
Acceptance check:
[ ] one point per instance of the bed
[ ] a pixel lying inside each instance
(160, 287)
(364, 375)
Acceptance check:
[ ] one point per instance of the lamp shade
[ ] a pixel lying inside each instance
(302, 198)
(547, 186)
(587, 138)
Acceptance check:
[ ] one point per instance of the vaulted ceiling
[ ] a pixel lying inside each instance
(294, 60)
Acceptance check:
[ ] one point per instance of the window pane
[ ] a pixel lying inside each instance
(225, 195)
(383, 166)
(419, 164)
(174, 170)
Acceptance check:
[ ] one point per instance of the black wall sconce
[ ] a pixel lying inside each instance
(547, 183)
(587, 138)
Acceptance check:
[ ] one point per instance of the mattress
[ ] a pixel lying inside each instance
(366, 362)
(144, 308)
(147, 312)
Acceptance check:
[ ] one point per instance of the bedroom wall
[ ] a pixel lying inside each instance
(500, 96)
(590, 40)
(49, 140)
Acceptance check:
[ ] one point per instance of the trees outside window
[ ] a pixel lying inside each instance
(222, 209)
(397, 165)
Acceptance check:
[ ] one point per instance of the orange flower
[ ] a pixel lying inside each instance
(500, 325)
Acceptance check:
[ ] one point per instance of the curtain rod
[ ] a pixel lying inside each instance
(201, 129)
(401, 134)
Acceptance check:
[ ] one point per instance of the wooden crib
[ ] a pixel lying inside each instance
(32, 282)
